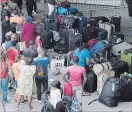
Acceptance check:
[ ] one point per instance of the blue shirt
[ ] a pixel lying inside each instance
(44, 62)
(83, 54)
(8, 45)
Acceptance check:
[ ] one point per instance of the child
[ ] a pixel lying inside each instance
(38, 41)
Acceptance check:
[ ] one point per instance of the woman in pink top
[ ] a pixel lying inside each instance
(76, 73)
(28, 31)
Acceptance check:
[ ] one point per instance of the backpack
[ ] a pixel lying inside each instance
(40, 72)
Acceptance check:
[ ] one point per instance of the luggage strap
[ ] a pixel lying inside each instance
(92, 101)
(102, 66)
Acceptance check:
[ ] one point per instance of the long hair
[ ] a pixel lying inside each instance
(84, 45)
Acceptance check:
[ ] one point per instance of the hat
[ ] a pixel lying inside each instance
(28, 19)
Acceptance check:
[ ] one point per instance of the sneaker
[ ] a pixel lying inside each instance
(34, 13)
(38, 101)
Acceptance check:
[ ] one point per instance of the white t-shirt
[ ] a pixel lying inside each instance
(55, 97)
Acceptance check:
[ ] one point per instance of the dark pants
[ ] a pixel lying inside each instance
(35, 5)
(130, 9)
(5, 29)
(39, 82)
(29, 6)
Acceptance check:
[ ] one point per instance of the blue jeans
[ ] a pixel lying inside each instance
(4, 86)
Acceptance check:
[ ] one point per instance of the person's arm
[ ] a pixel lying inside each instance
(64, 76)
(23, 32)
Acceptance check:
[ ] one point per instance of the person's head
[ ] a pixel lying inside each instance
(15, 12)
(28, 19)
(40, 51)
(31, 43)
(14, 42)
(37, 35)
(13, 29)
(5, 5)
(56, 84)
(61, 107)
(3, 56)
(14, 36)
(75, 60)
(28, 60)
(8, 38)
(84, 46)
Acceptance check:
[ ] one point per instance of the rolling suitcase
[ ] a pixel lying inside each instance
(126, 87)
(110, 94)
(101, 78)
(127, 57)
(110, 28)
(116, 20)
(75, 39)
(119, 48)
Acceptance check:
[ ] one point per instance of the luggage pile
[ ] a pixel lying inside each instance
(112, 55)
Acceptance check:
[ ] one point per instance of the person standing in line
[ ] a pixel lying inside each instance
(29, 6)
(76, 73)
(25, 82)
(4, 75)
(28, 31)
(35, 7)
(41, 77)
(5, 20)
(51, 6)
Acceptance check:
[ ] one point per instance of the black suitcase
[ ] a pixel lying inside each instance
(89, 32)
(126, 88)
(102, 35)
(117, 22)
(100, 18)
(110, 94)
(47, 39)
(117, 38)
(61, 48)
(91, 83)
(118, 66)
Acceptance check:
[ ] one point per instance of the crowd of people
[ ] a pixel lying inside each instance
(24, 60)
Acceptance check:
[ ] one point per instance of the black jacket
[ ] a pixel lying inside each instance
(129, 1)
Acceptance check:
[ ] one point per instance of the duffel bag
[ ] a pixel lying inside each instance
(99, 46)
(62, 11)
(110, 94)
(117, 38)
(118, 66)
(101, 68)
(101, 78)
(73, 11)
(126, 87)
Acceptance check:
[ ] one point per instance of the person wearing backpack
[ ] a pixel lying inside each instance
(76, 73)
(41, 77)
(4, 75)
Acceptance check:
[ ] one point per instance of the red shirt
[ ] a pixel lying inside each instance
(76, 73)
(12, 55)
(4, 69)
